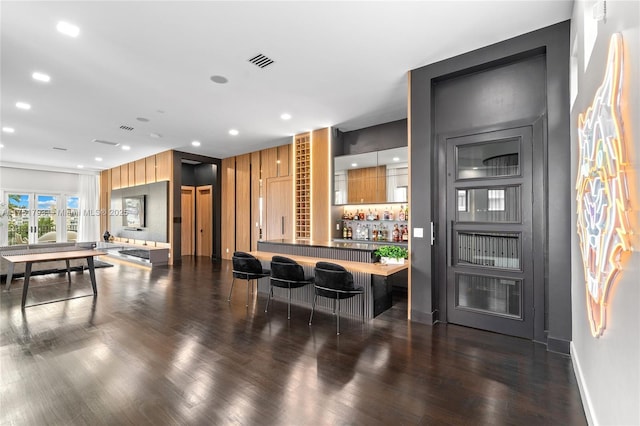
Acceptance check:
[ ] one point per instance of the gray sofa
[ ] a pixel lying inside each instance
(40, 267)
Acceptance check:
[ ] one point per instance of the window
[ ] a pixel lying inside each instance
(462, 200)
(496, 200)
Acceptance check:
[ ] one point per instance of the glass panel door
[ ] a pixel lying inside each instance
(489, 267)
(72, 215)
(18, 226)
(46, 217)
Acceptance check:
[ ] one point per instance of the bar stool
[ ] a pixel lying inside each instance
(286, 273)
(246, 267)
(334, 282)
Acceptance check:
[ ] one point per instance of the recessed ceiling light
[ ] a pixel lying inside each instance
(8, 129)
(155, 135)
(23, 105)
(68, 29)
(98, 158)
(80, 166)
(285, 116)
(126, 147)
(354, 164)
(195, 143)
(41, 77)
(144, 120)
(234, 132)
(1, 146)
(219, 79)
(396, 158)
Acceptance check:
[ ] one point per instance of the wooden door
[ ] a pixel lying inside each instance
(204, 220)
(188, 202)
(279, 209)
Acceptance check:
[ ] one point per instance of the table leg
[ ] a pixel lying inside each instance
(92, 274)
(68, 271)
(25, 286)
(10, 275)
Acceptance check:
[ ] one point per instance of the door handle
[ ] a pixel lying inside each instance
(282, 225)
(450, 244)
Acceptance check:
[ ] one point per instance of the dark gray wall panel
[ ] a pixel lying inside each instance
(554, 42)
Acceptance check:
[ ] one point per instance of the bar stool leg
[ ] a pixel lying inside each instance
(313, 307)
(231, 291)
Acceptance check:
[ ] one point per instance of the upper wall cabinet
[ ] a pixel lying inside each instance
(372, 177)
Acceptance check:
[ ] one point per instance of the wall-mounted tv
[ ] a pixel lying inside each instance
(133, 211)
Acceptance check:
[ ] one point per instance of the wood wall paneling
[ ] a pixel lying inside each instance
(270, 163)
(284, 159)
(150, 169)
(163, 166)
(124, 176)
(132, 173)
(115, 179)
(105, 200)
(320, 185)
(243, 202)
(255, 199)
(141, 172)
(228, 207)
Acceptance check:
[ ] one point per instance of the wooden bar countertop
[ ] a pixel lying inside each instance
(368, 268)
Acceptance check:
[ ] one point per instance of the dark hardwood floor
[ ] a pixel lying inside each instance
(165, 347)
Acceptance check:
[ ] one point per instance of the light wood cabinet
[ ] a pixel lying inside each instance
(367, 185)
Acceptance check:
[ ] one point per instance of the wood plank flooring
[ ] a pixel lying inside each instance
(164, 347)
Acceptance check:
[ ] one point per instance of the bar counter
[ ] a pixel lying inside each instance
(377, 279)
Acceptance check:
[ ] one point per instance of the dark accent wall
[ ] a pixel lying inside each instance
(369, 139)
(207, 173)
(553, 41)
(156, 212)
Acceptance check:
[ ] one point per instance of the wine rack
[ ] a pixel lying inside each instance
(303, 186)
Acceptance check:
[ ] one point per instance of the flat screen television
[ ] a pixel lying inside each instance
(133, 211)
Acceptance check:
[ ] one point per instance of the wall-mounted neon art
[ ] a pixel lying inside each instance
(602, 191)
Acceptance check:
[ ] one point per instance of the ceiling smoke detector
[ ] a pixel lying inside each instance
(261, 61)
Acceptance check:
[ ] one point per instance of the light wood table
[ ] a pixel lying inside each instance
(377, 279)
(367, 268)
(30, 259)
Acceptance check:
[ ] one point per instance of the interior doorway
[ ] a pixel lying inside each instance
(279, 208)
(204, 220)
(489, 272)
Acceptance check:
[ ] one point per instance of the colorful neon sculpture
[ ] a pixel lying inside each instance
(602, 191)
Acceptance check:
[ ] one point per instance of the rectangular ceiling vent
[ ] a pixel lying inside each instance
(261, 61)
(57, 148)
(106, 142)
(127, 128)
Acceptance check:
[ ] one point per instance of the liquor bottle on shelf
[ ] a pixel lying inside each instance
(349, 233)
(401, 213)
(405, 234)
(345, 231)
(396, 233)
(406, 213)
(375, 233)
(390, 214)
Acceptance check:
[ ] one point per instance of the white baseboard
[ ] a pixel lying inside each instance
(584, 391)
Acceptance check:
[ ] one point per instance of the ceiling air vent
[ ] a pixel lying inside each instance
(127, 128)
(261, 61)
(57, 148)
(106, 142)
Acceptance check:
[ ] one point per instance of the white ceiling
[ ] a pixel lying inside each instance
(341, 64)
